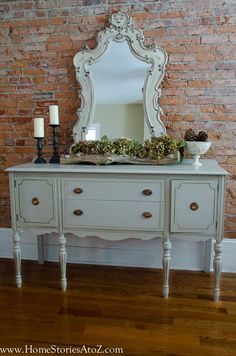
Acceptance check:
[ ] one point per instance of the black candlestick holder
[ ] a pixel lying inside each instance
(40, 158)
(56, 157)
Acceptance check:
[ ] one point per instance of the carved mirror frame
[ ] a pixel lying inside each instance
(121, 29)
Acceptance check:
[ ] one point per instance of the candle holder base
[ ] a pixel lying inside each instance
(40, 158)
(55, 158)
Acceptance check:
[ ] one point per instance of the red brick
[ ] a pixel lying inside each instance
(2, 112)
(155, 32)
(38, 80)
(53, 21)
(25, 80)
(215, 39)
(20, 142)
(33, 71)
(46, 103)
(172, 15)
(25, 112)
(21, 119)
(205, 57)
(58, 46)
(20, 64)
(4, 80)
(40, 111)
(58, 38)
(25, 149)
(199, 83)
(173, 100)
(23, 5)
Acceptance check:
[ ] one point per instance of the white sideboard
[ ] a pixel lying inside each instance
(117, 202)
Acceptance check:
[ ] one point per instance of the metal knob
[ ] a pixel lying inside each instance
(78, 212)
(147, 214)
(78, 190)
(35, 201)
(147, 192)
(194, 206)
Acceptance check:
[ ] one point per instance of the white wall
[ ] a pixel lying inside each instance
(188, 255)
(124, 120)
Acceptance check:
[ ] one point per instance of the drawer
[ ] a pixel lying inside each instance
(194, 206)
(36, 201)
(113, 189)
(114, 214)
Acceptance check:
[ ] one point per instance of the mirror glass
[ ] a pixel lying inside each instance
(118, 78)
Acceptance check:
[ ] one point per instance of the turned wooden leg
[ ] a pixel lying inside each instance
(166, 266)
(17, 257)
(217, 269)
(62, 259)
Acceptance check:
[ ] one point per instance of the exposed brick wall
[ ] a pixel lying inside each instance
(40, 38)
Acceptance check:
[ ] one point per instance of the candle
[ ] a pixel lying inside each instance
(39, 127)
(53, 113)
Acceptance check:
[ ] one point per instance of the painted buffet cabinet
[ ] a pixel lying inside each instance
(120, 201)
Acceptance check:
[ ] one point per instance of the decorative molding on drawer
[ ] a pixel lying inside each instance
(130, 252)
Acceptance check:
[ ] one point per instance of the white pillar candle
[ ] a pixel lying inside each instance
(53, 113)
(39, 127)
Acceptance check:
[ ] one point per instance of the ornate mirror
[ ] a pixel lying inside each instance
(119, 82)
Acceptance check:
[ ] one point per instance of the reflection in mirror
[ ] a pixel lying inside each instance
(118, 86)
(94, 132)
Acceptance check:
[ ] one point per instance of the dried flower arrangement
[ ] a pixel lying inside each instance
(158, 150)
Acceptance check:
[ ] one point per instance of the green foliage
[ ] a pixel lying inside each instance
(156, 148)
(124, 146)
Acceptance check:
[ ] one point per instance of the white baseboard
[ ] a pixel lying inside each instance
(188, 255)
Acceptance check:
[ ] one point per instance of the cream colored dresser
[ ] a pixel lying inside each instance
(119, 201)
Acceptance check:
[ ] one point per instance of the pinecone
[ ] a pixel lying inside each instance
(190, 135)
(202, 136)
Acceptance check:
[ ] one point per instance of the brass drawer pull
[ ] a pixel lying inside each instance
(147, 192)
(78, 190)
(194, 206)
(35, 201)
(147, 214)
(78, 212)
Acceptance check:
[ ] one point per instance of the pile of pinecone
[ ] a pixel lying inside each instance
(192, 135)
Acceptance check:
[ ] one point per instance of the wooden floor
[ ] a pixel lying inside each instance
(117, 308)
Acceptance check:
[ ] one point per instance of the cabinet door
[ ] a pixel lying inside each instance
(193, 206)
(36, 201)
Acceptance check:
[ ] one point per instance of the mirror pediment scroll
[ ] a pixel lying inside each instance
(120, 31)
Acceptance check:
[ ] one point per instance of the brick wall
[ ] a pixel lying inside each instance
(40, 38)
